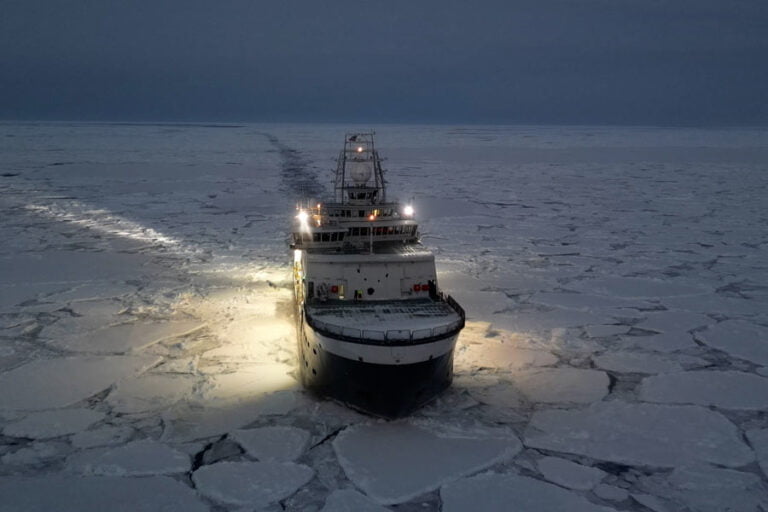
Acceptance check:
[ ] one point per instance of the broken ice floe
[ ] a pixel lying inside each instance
(150, 392)
(395, 462)
(640, 434)
(96, 494)
(708, 489)
(48, 424)
(253, 484)
(60, 382)
(349, 500)
(492, 492)
(739, 338)
(562, 385)
(723, 389)
(281, 444)
(138, 458)
(569, 474)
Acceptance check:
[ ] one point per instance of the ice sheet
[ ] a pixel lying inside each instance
(253, 484)
(491, 492)
(395, 462)
(642, 434)
(60, 382)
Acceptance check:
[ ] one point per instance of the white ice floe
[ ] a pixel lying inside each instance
(150, 392)
(497, 354)
(252, 484)
(610, 492)
(118, 339)
(739, 338)
(636, 362)
(635, 287)
(50, 383)
(640, 434)
(395, 462)
(247, 383)
(605, 330)
(673, 321)
(553, 318)
(282, 444)
(185, 423)
(138, 458)
(349, 500)
(492, 492)
(39, 453)
(569, 474)
(97, 494)
(47, 424)
(724, 389)
(758, 438)
(107, 435)
(671, 341)
(709, 489)
(562, 385)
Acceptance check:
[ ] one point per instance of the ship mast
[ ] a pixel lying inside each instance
(359, 176)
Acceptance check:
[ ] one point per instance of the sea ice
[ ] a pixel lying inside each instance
(602, 331)
(349, 500)
(739, 338)
(493, 492)
(640, 434)
(759, 440)
(248, 382)
(626, 287)
(709, 489)
(636, 362)
(185, 423)
(674, 321)
(671, 341)
(282, 444)
(47, 424)
(150, 392)
(724, 389)
(500, 355)
(118, 339)
(96, 494)
(50, 383)
(395, 462)
(252, 484)
(105, 436)
(569, 474)
(138, 458)
(610, 492)
(562, 385)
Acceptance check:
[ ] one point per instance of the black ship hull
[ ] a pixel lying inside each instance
(384, 390)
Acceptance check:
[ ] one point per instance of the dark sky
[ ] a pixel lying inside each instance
(666, 62)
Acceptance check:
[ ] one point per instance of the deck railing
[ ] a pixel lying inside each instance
(393, 336)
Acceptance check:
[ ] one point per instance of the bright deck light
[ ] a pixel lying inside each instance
(408, 211)
(359, 149)
(302, 216)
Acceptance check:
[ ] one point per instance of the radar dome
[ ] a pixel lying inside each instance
(360, 171)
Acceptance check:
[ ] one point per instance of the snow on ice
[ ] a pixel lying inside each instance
(138, 458)
(253, 484)
(60, 382)
(395, 462)
(47, 424)
(722, 389)
(640, 434)
(614, 280)
(282, 444)
(492, 492)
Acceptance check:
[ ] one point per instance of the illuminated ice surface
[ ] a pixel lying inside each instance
(615, 355)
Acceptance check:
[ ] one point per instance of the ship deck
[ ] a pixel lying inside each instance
(396, 319)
